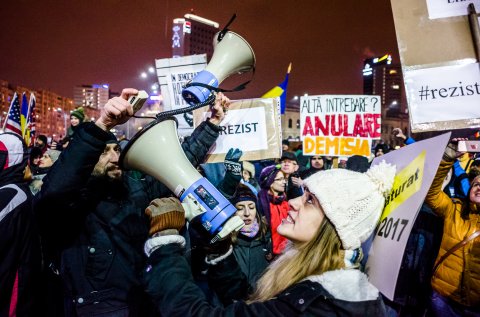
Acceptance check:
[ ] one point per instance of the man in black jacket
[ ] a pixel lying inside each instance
(92, 214)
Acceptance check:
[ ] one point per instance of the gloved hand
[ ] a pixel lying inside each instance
(166, 216)
(232, 164)
(201, 239)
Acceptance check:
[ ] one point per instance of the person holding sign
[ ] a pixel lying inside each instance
(318, 274)
(456, 274)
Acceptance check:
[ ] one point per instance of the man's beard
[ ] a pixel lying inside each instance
(110, 173)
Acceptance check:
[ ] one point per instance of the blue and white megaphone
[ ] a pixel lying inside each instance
(232, 54)
(155, 151)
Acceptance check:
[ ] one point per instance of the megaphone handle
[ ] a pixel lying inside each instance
(222, 33)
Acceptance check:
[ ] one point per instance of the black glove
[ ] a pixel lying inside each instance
(232, 164)
(200, 239)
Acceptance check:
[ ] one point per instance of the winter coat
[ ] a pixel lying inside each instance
(251, 254)
(19, 244)
(334, 293)
(458, 275)
(97, 227)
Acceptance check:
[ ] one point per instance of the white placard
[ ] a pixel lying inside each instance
(245, 129)
(339, 125)
(449, 8)
(416, 167)
(443, 93)
(173, 74)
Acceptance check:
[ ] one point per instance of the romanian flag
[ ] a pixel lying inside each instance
(12, 124)
(29, 136)
(280, 91)
(24, 113)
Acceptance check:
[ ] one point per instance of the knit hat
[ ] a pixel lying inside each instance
(54, 154)
(78, 113)
(352, 201)
(249, 167)
(243, 193)
(267, 176)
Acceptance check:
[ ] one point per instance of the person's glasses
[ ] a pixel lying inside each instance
(280, 179)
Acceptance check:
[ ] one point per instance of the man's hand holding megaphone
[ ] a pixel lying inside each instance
(117, 110)
(219, 108)
(167, 217)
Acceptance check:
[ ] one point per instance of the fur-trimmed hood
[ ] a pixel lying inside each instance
(350, 285)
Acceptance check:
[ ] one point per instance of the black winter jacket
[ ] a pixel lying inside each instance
(348, 294)
(98, 227)
(251, 255)
(19, 244)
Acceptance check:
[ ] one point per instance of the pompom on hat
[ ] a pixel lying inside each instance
(353, 201)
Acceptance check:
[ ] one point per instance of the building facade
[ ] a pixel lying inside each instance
(382, 78)
(91, 96)
(193, 35)
(52, 111)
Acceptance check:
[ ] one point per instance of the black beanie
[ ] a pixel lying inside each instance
(243, 193)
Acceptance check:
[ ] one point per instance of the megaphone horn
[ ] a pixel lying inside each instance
(231, 55)
(155, 151)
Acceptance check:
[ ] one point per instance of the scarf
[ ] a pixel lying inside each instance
(252, 230)
(276, 200)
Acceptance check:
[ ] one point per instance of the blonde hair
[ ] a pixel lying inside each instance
(321, 254)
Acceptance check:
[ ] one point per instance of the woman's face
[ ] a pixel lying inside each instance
(303, 220)
(317, 162)
(45, 161)
(246, 210)
(278, 185)
(475, 191)
(74, 121)
(246, 175)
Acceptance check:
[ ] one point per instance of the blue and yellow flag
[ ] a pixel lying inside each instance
(24, 113)
(280, 91)
(29, 136)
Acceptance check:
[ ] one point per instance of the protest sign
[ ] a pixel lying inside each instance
(416, 167)
(251, 125)
(339, 125)
(449, 8)
(173, 74)
(442, 81)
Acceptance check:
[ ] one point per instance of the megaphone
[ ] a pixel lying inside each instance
(155, 151)
(232, 54)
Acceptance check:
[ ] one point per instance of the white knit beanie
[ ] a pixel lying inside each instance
(352, 201)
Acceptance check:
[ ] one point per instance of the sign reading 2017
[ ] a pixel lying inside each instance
(391, 226)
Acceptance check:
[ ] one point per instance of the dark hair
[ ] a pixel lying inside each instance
(42, 138)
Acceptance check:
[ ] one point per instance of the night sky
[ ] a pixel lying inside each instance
(56, 45)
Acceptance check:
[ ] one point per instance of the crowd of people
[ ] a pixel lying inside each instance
(82, 237)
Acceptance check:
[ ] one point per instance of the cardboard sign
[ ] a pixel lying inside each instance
(251, 125)
(441, 80)
(173, 74)
(339, 125)
(416, 167)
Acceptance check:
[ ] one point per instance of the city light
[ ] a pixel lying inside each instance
(151, 70)
(143, 75)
